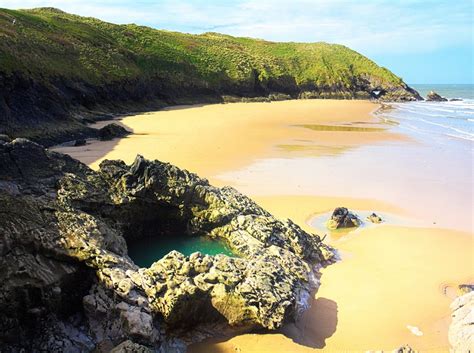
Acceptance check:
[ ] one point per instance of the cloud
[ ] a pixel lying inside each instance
(371, 27)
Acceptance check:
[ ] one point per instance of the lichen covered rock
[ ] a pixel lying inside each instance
(461, 334)
(64, 253)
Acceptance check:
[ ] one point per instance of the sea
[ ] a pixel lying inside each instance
(428, 172)
(440, 120)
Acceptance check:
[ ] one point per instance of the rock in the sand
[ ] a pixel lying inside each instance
(461, 332)
(111, 131)
(374, 218)
(63, 253)
(343, 218)
(80, 142)
(404, 349)
(435, 97)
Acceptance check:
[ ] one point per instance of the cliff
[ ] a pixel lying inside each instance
(60, 71)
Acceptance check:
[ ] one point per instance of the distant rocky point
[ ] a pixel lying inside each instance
(432, 96)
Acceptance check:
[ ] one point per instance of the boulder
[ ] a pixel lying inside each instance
(65, 230)
(461, 334)
(80, 142)
(343, 218)
(111, 131)
(374, 218)
(435, 97)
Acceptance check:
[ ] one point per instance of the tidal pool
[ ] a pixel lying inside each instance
(146, 251)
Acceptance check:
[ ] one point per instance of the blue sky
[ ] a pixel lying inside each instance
(421, 41)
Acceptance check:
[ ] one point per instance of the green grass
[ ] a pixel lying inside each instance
(50, 43)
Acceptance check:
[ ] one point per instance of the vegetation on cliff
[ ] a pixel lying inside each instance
(62, 61)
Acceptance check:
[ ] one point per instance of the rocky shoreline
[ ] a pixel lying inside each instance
(68, 284)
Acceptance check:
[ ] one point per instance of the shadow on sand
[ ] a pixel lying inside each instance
(312, 330)
(316, 325)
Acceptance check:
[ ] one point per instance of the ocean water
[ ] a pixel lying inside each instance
(439, 120)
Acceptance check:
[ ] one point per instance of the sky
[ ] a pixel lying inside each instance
(421, 41)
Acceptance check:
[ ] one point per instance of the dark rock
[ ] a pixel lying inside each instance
(455, 100)
(343, 218)
(435, 97)
(112, 131)
(4, 138)
(63, 251)
(80, 142)
(466, 288)
(404, 349)
(374, 218)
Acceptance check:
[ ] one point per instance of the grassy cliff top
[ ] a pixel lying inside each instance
(47, 42)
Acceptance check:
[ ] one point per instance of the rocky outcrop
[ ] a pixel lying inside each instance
(343, 218)
(111, 131)
(68, 282)
(461, 334)
(435, 97)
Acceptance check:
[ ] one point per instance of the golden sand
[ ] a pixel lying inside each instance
(394, 281)
(214, 138)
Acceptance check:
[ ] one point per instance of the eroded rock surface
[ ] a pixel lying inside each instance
(461, 332)
(67, 281)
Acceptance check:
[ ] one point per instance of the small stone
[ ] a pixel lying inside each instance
(374, 218)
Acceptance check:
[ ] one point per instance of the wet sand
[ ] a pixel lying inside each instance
(394, 279)
(211, 139)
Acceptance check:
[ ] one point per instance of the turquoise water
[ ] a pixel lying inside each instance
(145, 252)
(465, 91)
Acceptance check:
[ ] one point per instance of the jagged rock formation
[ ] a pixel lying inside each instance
(432, 96)
(67, 283)
(342, 218)
(461, 333)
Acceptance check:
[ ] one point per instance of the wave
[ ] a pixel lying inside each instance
(440, 120)
(461, 137)
(448, 127)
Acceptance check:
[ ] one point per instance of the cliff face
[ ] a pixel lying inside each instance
(58, 71)
(68, 284)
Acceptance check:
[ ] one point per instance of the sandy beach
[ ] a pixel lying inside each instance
(395, 282)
